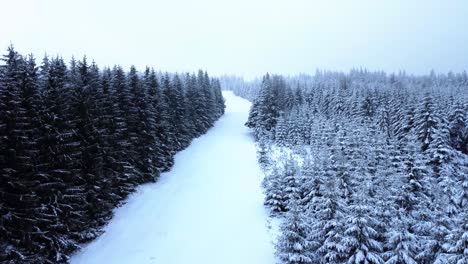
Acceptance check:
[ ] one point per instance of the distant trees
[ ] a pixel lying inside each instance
(382, 164)
(76, 140)
(265, 110)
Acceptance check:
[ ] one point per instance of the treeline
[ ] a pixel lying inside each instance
(379, 172)
(247, 90)
(76, 140)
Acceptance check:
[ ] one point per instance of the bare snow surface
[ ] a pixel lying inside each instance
(207, 209)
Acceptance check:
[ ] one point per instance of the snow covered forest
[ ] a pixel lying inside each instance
(76, 140)
(364, 167)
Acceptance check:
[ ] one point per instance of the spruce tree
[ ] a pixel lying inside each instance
(163, 159)
(275, 196)
(361, 242)
(427, 122)
(458, 129)
(327, 214)
(122, 158)
(55, 159)
(456, 248)
(201, 102)
(293, 246)
(176, 99)
(26, 221)
(401, 243)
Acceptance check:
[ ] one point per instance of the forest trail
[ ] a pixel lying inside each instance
(207, 209)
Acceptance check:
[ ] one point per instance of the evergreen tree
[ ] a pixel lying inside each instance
(275, 197)
(163, 158)
(291, 180)
(427, 122)
(141, 131)
(219, 99)
(293, 246)
(176, 100)
(265, 111)
(262, 154)
(394, 187)
(150, 147)
(74, 142)
(401, 244)
(458, 129)
(361, 242)
(191, 93)
(282, 130)
(56, 141)
(22, 219)
(457, 246)
(122, 158)
(327, 213)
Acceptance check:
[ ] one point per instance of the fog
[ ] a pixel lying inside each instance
(245, 37)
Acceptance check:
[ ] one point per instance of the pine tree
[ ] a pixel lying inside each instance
(458, 129)
(361, 242)
(265, 111)
(210, 98)
(404, 184)
(281, 131)
(150, 148)
(432, 228)
(121, 157)
(457, 246)
(327, 212)
(172, 98)
(191, 94)
(406, 120)
(295, 129)
(427, 122)
(291, 180)
(142, 128)
(385, 120)
(22, 217)
(312, 183)
(200, 102)
(29, 218)
(92, 151)
(163, 158)
(275, 197)
(219, 99)
(263, 151)
(293, 246)
(82, 151)
(462, 199)
(176, 100)
(74, 142)
(56, 163)
(400, 243)
(135, 126)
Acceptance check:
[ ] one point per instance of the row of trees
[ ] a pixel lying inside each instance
(248, 90)
(380, 173)
(76, 140)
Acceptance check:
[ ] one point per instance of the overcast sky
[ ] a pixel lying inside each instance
(245, 37)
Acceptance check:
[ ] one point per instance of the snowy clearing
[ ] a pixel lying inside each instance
(207, 209)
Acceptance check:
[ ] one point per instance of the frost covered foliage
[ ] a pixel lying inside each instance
(245, 89)
(76, 140)
(385, 173)
(293, 245)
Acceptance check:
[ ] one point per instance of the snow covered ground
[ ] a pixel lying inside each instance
(207, 209)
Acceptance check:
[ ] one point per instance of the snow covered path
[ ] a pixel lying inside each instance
(207, 209)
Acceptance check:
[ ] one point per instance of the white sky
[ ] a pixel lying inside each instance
(245, 37)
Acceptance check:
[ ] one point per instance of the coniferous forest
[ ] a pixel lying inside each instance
(364, 167)
(76, 140)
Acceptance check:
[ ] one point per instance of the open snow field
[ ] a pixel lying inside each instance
(207, 209)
